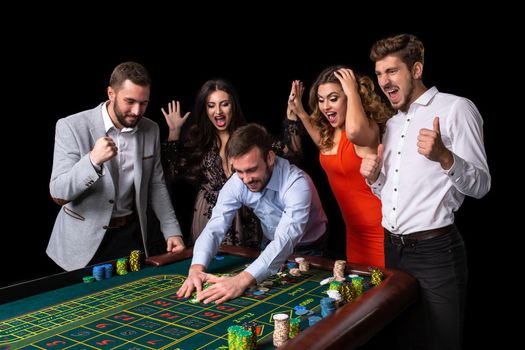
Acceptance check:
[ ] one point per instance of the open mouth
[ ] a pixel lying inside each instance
(332, 117)
(220, 120)
(393, 94)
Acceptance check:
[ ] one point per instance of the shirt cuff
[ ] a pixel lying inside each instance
(200, 258)
(256, 273)
(457, 168)
(379, 183)
(98, 168)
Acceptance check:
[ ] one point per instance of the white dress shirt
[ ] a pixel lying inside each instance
(121, 164)
(416, 193)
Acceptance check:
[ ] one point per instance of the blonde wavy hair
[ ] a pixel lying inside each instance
(373, 105)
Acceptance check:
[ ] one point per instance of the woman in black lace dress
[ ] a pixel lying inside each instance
(199, 156)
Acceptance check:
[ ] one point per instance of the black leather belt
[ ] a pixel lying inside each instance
(121, 221)
(413, 238)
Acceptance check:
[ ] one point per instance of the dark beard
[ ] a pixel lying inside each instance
(121, 118)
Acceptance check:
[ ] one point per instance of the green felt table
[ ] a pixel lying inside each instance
(141, 310)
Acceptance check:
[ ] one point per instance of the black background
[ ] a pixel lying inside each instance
(64, 68)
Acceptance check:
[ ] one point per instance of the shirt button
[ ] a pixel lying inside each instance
(105, 227)
(111, 201)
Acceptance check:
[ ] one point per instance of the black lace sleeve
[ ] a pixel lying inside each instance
(288, 145)
(172, 160)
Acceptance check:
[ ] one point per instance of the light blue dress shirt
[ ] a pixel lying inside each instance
(288, 207)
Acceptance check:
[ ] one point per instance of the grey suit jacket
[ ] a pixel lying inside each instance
(89, 198)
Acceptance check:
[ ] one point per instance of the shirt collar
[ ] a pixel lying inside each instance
(108, 123)
(274, 184)
(427, 96)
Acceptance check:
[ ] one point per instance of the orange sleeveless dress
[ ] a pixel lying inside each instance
(360, 208)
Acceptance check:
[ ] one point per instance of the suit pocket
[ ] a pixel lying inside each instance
(73, 214)
(147, 157)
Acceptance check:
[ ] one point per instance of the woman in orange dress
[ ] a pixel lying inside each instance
(346, 123)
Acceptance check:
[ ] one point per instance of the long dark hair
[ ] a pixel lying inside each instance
(202, 135)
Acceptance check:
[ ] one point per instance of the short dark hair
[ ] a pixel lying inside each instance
(247, 137)
(129, 71)
(406, 46)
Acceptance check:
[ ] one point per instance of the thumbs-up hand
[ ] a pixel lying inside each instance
(430, 144)
(371, 164)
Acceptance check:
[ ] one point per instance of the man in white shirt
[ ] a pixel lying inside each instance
(432, 156)
(281, 195)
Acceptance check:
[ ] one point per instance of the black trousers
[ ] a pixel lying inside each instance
(440, 266)
(119, 242)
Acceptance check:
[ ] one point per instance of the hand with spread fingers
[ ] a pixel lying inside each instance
(174, 119)
(348, 81)
(295, 104)
(225, 288)
(197, 276)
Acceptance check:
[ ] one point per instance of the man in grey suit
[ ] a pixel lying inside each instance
(106, 170)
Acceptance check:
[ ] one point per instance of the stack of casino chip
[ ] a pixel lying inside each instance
(335, 285)
(281, 329)
(377, 275)
(327, 306)
(122, 266)
(134, 260)
(348, 293)
(339, 270)
(108, 270)
(336, 295)
(251, 326)
(303, 264)
(357, 283)
(98, 272)
(240, 338)
(294, 327)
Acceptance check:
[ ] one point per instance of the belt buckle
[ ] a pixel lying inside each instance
(394, 239)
